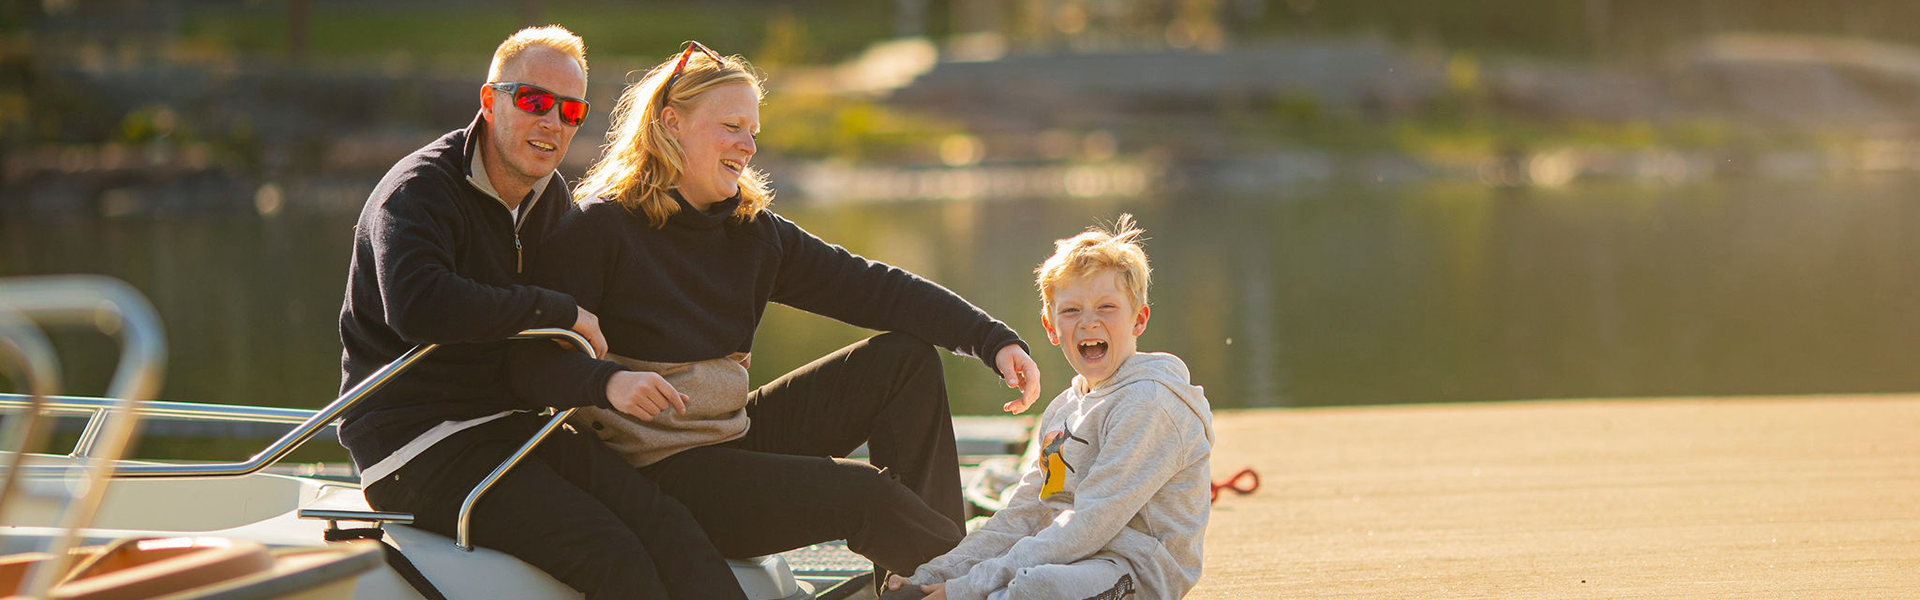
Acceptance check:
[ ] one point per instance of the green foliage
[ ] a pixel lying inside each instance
(831, 30)
(1605, 30)
(819, 126)
(1464, 125)
(785, 42)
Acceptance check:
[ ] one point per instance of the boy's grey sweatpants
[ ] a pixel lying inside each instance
(1091, 579)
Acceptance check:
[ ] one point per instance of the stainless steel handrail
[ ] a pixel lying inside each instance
(26, 357)
(118, 310)
(462, 540)
(158, 409)
(308, 427)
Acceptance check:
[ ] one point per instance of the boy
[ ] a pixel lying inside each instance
(1116, 504)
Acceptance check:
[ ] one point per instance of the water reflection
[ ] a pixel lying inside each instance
(1339, 296)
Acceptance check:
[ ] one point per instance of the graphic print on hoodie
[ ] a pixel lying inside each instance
(1054, 460)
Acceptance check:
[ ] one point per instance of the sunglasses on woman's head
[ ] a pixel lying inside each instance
(537, 100)
(678, 67)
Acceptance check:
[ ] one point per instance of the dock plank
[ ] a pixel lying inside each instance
(1800, 497)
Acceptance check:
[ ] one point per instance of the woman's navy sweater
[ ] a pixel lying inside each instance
(696, 288)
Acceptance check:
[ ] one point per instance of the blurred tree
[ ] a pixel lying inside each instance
(297, 30)
(785, 42)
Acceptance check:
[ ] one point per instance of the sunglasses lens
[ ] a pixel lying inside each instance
(572, 112)
(533, 100)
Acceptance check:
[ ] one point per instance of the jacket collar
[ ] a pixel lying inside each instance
(475, 169)
(714, 216)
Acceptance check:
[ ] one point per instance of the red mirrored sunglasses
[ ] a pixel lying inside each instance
(678, 67)
(537, 100)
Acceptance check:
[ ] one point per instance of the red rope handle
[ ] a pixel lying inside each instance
(1234, 483)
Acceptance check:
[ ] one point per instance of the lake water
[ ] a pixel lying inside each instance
(1332, 296)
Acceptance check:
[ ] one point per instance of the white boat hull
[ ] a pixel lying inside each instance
(261, 507)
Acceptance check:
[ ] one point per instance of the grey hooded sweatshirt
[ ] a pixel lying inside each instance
(1119, 471)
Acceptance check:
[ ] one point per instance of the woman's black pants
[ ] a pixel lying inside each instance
(786, 484)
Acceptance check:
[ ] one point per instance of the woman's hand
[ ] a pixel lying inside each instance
(643, 394)
(1020, 372)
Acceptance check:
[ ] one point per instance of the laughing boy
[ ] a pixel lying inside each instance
(1116, 504)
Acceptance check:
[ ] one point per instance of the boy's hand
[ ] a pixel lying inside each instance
(894, 581)
(643, 394)
(1020, 372)
(938, 590)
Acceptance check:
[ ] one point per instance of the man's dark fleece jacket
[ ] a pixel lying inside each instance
(696, 288)
(437, 261)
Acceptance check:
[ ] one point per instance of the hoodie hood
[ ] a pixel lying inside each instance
(1162, 369)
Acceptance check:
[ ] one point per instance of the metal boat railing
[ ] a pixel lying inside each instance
(462, 540)
(114, 308)
(308, 424)
(25, 357)
(87, 406)
(307, 428)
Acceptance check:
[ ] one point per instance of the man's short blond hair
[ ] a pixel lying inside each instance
(1095, 251)
(553, 37)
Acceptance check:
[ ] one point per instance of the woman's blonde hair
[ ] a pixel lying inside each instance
(642, 160)
(1095, 251)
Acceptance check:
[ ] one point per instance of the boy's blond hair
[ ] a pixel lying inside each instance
(1094, 251)
(553, 37)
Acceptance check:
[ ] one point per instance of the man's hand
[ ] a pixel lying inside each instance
(588, 326)
(643, 394)
(1020, 372)
(936, 591)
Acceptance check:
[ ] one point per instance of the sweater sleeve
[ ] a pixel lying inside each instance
(1023, 515)
(826, 279)
(541, 374)
(412, 237)
(576, 259)
(1129, 470)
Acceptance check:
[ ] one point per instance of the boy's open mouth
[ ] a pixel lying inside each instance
(1093, 349)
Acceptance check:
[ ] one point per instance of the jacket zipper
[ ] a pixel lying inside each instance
(519, 255)
(516, 218)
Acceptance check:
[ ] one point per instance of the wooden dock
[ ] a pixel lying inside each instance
(1801, 497)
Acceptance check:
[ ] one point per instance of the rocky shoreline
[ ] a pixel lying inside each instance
(204, 135)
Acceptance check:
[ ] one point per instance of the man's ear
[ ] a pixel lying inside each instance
(1052, 336)
(1140, 321)
(486, 104)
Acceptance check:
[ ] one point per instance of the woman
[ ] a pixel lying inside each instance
(672, 244)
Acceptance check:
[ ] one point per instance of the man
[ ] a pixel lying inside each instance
(438, 258)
